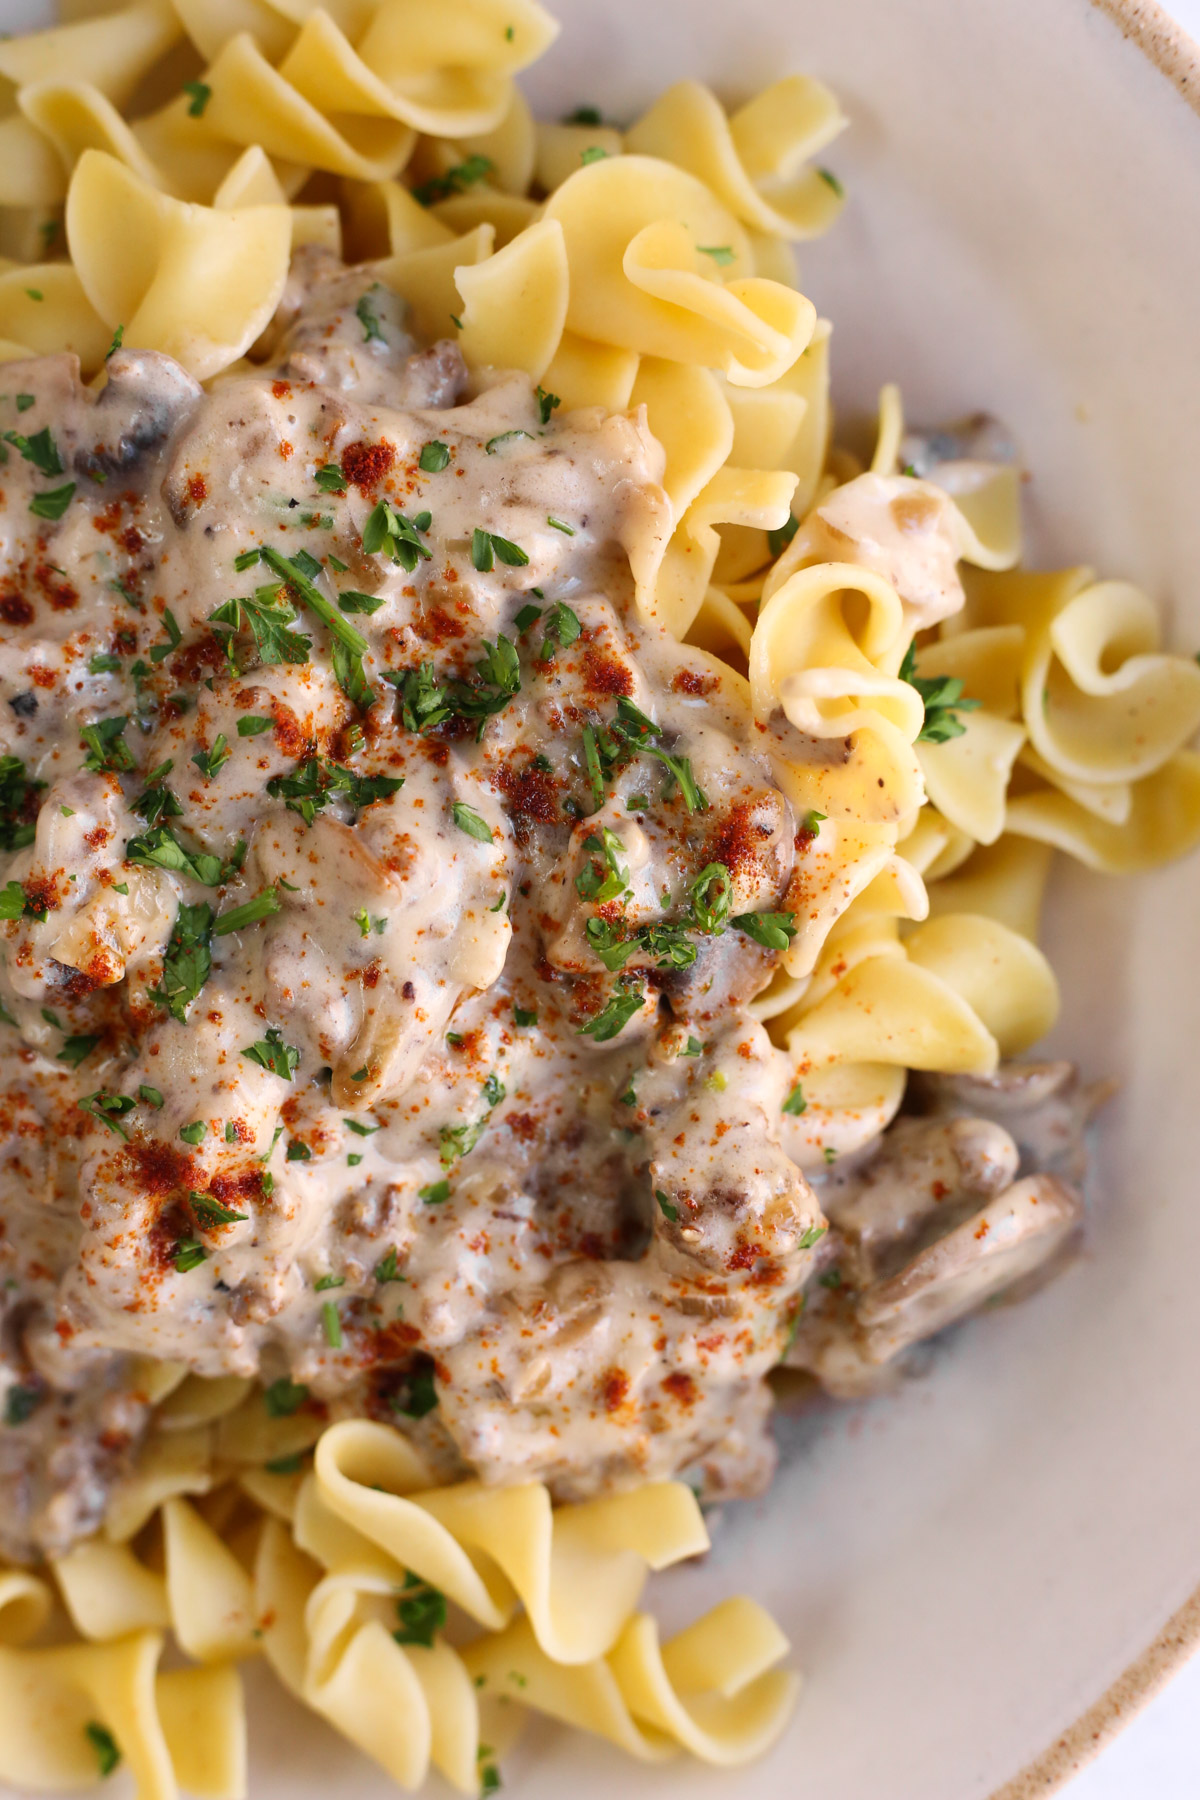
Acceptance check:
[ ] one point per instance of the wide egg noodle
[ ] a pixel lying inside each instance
(636, 229)
(514, 303)
(197, 283)
(578, 1571)
(712, 1689)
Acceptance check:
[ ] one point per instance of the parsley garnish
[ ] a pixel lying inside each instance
(211, 1211)
(108, 1753)
(25, 401)
(593, 153)
(188, 1254)
(812, 1235)
(200, 94)
(253, 725)
(584, 115)
(273, 1054)
(187, 962)
(779, 539)
(831, 180)
(434, 457)
(613, 1018)
(250, 912)
(523, 1017)
(348, 642)
(493, 444)
(562, 629)
(455, 180)
(665, 1207)
(386, 1269)
(396, 536)
(722, 254)
(209, 761)
(18, 804)
(943, 697)
(76, 1049)
(330, 479)
(105, 739)
(421, 1610)
(20, 1404)
(40, 450)
(103, 662)
(332, 1324)
(110, 1109)
(352, 601)
(195, 1133)
(468, 820)
(161, 849)
(773, 930)
(118, 338)
(795, 1104)
(486, 546)
(425, 702)
(313, 784)
(284, 1397)
(435, 1192)
(546, 404)
(368, 318)
(54, 503)
(711, 896)
(267, 616)
(152, 1096)
(417, 1395)
(567, 530)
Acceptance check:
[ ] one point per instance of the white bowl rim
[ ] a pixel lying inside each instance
(1145, 25)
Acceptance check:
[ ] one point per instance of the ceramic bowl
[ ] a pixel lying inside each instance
(981, 1572)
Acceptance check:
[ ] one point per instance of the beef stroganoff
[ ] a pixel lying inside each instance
(522, 877)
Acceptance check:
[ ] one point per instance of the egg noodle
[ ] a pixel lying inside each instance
(159, 164)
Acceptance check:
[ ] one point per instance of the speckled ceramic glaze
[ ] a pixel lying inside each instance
(981, 1571)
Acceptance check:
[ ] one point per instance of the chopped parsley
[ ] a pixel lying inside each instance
(613, 1018)
(421, 1610)
(795, 1104)
(250, 912)
(416, 1395)
(386, 1269)
(455, 180)
(348, 642)
(944, 699)
(152, 1096)
(20, 1404)
(711, 897)
(76, 1050)
(284, 1397)
(267, 617)
(773, 930)
(604, 878)
(352, 601)
(831, 180)
(546, 404)
(314, 783)
(188, 1254)
(298, 1151)
(253, 725)
(434, 457)
(368, 318)
(40, 450)
(331, 479)
(562, 627)
(584, 115)
(594, 153)
(54, 503)
(359, 1129)
(332, 1323)
(693, 1048)
(468, 820)
(391, 533)
(487, 546)
(272, 1054)
(110, 1109)
(107, 749)
(199, 94)
(505, 437)
(665, 1206)
(814, 1232)
(103, 662)
(567, 530)
(425, 702)
(18, 804)
(195, 1133)
(211, 1211)
(108, 1753)
(161, 849)
(209, 761)
(722, 254)
(779, 539)
(187, 964)
(523, 1018)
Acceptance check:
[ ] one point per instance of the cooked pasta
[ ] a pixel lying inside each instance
(523, 865)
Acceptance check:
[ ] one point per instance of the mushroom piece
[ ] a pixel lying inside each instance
(945, 1215)
(1044, 1106)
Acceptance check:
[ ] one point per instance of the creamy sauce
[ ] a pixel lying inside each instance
(435, 1163)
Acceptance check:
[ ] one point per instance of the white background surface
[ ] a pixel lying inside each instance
(1157, 1757)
